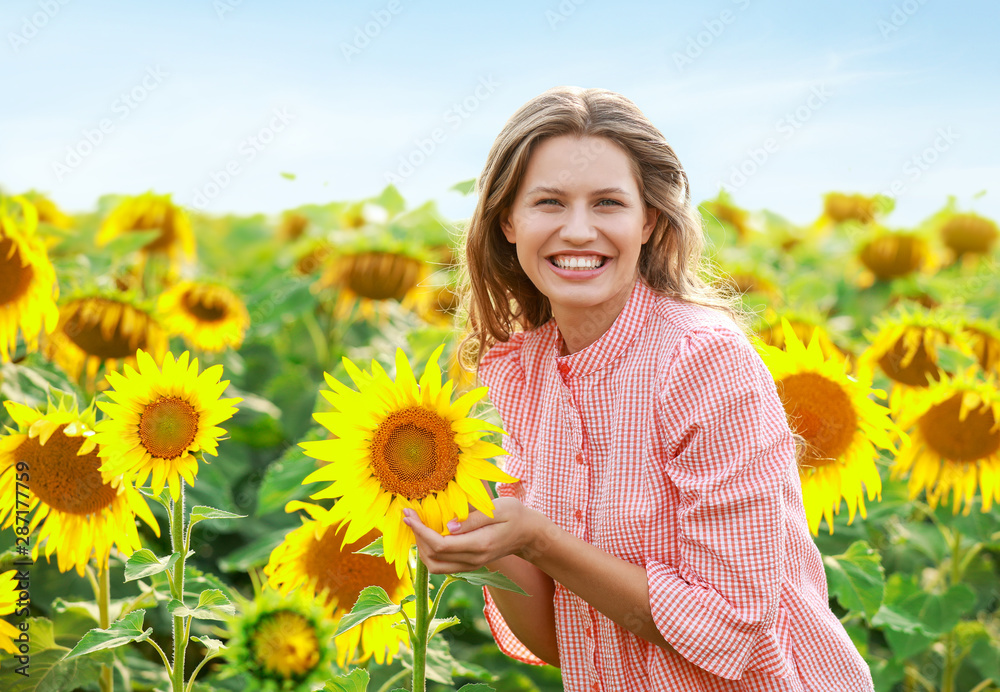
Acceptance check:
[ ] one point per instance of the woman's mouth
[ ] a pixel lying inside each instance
(578, 262)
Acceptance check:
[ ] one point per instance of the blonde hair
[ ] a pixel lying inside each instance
(497, 297)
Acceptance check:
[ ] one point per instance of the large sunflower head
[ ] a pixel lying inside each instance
(9, 594)
(102, 329)
(209, 316)
(954, 442)
(314, 560)
(838, 422)
(905, 348)
(402, 444)
(159, 419)
(28, 287)
(150, 212)
(280, 642)
(81, 514)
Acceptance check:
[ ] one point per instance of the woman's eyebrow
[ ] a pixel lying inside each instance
(558, 191)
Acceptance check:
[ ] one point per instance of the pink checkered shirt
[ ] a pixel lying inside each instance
(664, 443)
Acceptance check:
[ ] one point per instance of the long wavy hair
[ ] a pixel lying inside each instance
(497, 297)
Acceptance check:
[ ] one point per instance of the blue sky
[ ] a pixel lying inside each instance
(780, 101)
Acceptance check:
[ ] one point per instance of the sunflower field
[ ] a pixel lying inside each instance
(214, 426)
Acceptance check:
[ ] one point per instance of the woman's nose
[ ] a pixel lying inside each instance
(578, 227)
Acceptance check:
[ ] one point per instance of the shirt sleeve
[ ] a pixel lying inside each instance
(506, 640)
(728, 453)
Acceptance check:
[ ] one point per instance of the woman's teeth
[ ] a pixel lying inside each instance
(576, 262)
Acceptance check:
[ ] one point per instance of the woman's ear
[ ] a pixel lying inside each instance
(507, 227)
(652, 216)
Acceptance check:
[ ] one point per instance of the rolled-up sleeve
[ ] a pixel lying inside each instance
(727, 451)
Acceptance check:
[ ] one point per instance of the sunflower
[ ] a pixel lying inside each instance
(402, 445)
(722, 210)
(969, 234)
(160, 419)
(209, 316)
(8, 604)
(293, 225)
(28, 287)
(839, 207)
(894, 254)
(840, 424)
(984, 337)
(149, 212)
(83, 514)
(48, 212)
(280, 642)
(315, 559)
(905, 349)
(954, 442)
(806, 326)
(372, 277)
(103, 329)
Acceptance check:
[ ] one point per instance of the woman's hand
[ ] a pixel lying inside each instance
(478, 540)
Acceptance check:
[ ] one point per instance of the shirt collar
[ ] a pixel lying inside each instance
(610, 345)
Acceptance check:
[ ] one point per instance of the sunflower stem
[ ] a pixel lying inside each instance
(104, 612)
(419, 643)
(955, 576)
(177, 591)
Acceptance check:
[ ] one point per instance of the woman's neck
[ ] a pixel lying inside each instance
(580, 327)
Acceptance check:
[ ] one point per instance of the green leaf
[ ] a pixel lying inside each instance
(49, 670)
(856, 578)
(373, 548)
(355, 681)
(372, 601)
(201, 513)
(484, 577)
(144, 563)
(440, 624)
(162, 497)
(466, 187)
(212, 605)
(121, 632)
(213, 646)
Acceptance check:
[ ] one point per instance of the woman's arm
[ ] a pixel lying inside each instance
(615, 587)
(531, 618)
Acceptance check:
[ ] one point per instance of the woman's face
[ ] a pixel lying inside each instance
(579, 223)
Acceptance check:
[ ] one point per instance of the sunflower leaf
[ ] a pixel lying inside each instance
(163, 497)
(372, 601)
(213, 646)
(373, 548)
(439, 624)
(856, 578)
(355, 681)
(144, 563)
(124, 631)
(484, 577)
(202, 512)
(212, 605)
